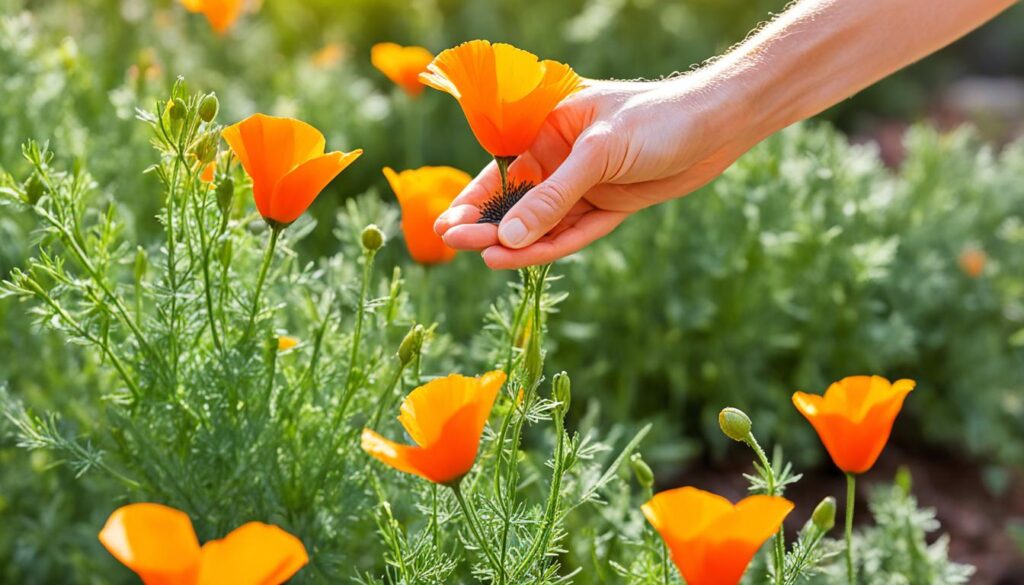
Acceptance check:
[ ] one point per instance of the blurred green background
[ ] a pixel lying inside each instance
(833, 249)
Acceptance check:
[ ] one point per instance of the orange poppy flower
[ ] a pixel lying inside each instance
(972, 261)
(854, 418)
(711, 540)
(445, 418)
(221, 13)
(402, 65)
(505, 92)
(158, 543)
(286, 342)
(286, 160)
(423, 194)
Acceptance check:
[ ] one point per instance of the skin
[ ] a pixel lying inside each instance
(615, 148)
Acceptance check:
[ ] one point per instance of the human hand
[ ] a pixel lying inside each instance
(606, 152)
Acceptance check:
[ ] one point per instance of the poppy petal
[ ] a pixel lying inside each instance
(301, 186)
(252, 554)
(155, 541)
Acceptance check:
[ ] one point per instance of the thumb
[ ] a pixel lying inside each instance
(546, 204)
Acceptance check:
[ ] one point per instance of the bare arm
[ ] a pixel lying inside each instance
(618, 147)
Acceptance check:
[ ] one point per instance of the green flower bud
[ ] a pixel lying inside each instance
(734, 423)
(824, 516)
(205, 149)
(177, 110)
(226, 195)
(642, 471)
(209, 107)
(561, 391)
(372, 238)
(411, 344)
(533, 364)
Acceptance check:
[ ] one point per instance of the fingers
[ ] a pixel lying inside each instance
(462, 207)
(546, 204)
(593, 225)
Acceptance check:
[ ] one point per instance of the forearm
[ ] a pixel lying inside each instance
(820, 52)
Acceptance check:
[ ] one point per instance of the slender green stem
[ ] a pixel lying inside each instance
(474, 527)
(779, 544)
(851, 492)
(434, 528)
(268, 257)
(204, 251)
(503, 163)
(554, 495)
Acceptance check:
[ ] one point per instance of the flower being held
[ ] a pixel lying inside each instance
(506, 93)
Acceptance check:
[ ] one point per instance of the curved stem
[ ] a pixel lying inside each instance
(541, 543)
(851, 492)
(474, 527)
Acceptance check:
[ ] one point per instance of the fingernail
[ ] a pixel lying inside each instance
(441, 224)
(512, 233)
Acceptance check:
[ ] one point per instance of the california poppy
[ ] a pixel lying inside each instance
(854, 418)
(402, 65)
(159, 544)
(505, 92)
(445, 418)
(423, 194)
(972, 261)
(286, 342)
(711, 540)
(286, 160)
(221, 13)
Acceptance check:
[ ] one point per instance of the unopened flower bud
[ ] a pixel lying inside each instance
(642, 471)
(177, 110)
(824, 516)
(372, 238)
(225, 195)
(209, 107)
(205, 150)
(533, 363)
(411, 345)
(734, 423)
(561, 391)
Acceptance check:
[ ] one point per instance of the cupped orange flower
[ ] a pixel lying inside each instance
(423, 194)
(854, 418)
(159, 544)
(445, 418)
(286, 160)
(221, 13)
(711, 540)
(402, 65)
(505, 92)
